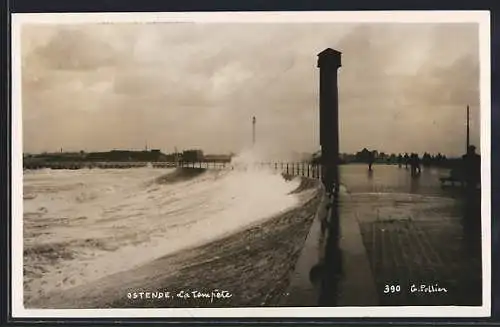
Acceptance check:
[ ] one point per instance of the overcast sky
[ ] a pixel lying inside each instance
(403, 87)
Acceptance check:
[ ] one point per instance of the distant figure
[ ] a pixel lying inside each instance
(472, 167)
(406, 160)
(400, 160)
(415, 164)
(371, 159)
(426, 159)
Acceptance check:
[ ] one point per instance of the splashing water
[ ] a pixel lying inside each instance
(82, 225)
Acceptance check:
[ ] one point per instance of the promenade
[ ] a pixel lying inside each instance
(403, 241)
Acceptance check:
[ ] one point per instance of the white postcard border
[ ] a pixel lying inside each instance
(480, 17)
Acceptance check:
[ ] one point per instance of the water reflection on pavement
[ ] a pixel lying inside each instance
(421, 238)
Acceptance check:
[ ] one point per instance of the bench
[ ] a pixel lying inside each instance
(457, 177)
(452, 181)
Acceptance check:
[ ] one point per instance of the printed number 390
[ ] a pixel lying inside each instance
(392, 289)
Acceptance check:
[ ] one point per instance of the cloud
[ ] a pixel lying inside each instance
(104, 86)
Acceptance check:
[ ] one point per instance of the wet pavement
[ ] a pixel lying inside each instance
(422, 241)
(392, 240)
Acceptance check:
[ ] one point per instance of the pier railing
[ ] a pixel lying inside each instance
(304, 169)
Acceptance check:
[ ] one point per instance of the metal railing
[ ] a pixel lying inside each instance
(303, 169)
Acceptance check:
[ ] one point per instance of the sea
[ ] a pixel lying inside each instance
(82, 225)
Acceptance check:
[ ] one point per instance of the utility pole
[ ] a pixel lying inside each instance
(468, 130)
(254, 121)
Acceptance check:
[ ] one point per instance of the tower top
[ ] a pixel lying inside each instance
(330, 57)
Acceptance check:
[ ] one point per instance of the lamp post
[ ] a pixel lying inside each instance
(468, 131)
(254, 121)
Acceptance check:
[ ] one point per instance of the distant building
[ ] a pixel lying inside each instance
(347, 158)
(315, 158)
(192, 155)
(126, 155)
(217, 157)
(59, 156)
(173, 157)
(363, 155)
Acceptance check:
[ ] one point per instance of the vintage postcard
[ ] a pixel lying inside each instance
(266, 164)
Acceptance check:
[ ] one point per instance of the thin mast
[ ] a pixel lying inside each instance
(468, 129)
(253, 130)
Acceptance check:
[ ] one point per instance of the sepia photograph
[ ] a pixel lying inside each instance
(251, 164)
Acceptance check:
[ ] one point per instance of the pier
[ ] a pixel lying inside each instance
(303, 169)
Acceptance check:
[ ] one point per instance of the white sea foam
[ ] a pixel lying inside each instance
(81, 225)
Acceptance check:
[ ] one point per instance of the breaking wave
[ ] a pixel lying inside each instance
(81, 225)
